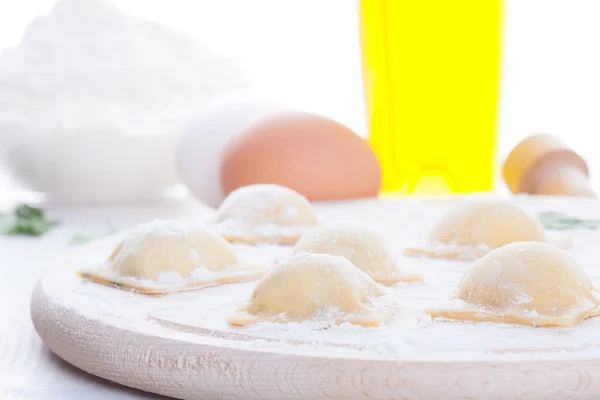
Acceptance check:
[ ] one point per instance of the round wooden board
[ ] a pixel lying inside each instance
(179, 345)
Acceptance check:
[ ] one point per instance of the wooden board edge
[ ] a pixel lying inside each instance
(188, 370)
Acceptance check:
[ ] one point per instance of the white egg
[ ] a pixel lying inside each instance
(200, 151)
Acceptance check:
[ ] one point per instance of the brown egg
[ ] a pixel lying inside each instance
(318, 157)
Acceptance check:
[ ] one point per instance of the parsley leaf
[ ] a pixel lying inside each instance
(559, 221)
(25, 221)
(81, 238)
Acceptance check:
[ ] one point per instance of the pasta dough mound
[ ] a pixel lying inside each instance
(527, 283)
(169, 256)
(471, 230)
(265, 213)
(362, 246)
(166, 245)
(314, 286)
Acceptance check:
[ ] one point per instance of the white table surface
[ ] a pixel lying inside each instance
(28, 370)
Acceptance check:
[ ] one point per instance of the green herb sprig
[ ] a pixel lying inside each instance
(25, 221)
(554, 220)
(81, 238)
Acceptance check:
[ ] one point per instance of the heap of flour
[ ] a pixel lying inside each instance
(89, 67)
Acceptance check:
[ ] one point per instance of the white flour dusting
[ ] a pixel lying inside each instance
(410, 335)
(170, 277)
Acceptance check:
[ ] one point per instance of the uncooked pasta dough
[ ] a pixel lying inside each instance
(265, 213)
(362, 246)
(150, 249)
(314, 286)
(165, 256)
(529, 283)
(471, 230)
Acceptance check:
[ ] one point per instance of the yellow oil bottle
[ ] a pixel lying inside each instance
(431, 77)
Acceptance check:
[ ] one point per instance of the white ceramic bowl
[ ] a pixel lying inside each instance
(93, 167)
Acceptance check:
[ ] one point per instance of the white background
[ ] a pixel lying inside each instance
(306, 52)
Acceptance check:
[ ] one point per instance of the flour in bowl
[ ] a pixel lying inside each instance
(93, 102)
(87, 65)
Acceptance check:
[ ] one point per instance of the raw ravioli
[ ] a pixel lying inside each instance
(310, 286)
(471, 230)
(528, 283)
(265, 213)
(362, 246)
(169, 256)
